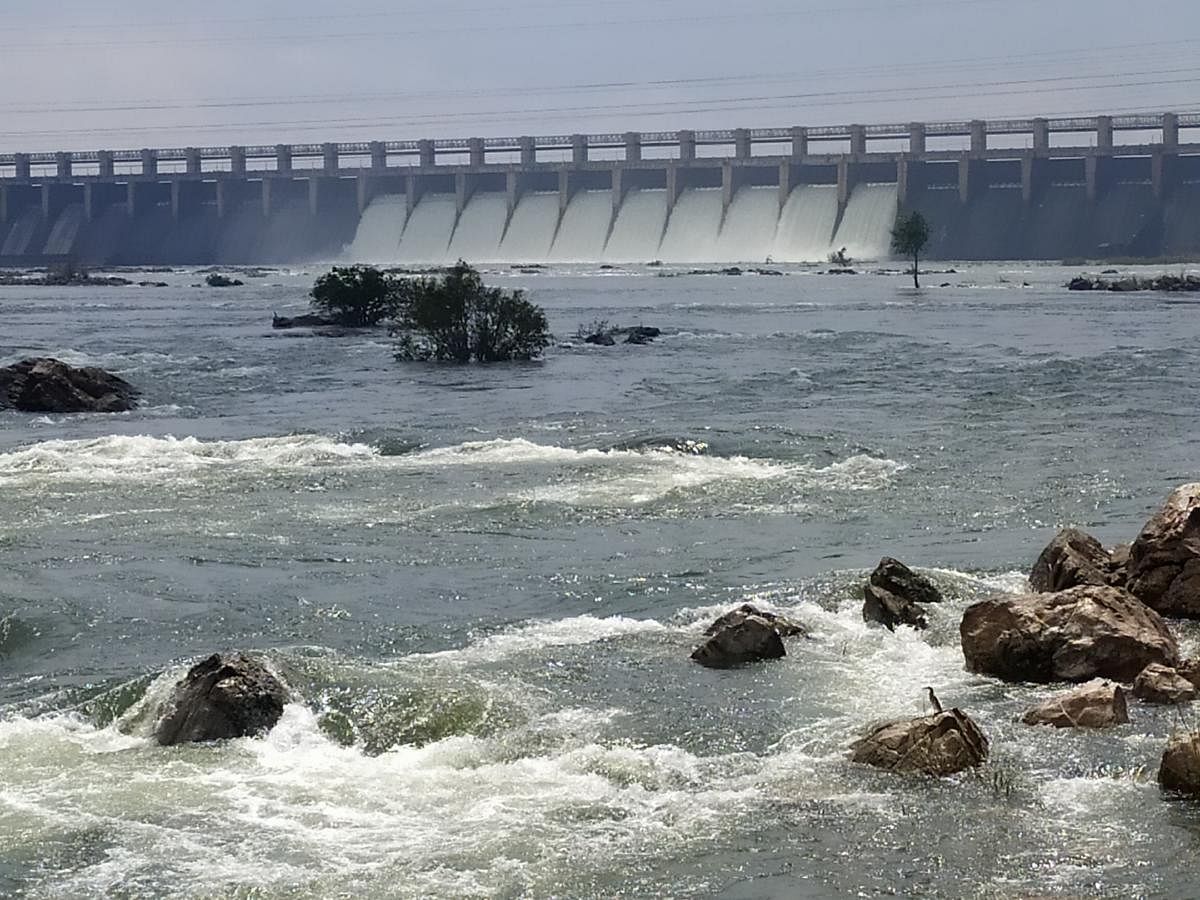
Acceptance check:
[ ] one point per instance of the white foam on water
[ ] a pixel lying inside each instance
(532, 638)
(377, 239)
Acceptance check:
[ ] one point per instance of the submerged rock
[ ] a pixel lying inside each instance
(786, 627)
(1098, 705)
(1179, 770)
(1073, 558)
(1163, 685)
(304, 321)
(1073, 635)
(1164, 561)
(751, 639)
(224, 696)
(891, 595)
(45, 385)
(940, 744)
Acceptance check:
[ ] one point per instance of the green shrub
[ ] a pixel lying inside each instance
(356, 296)
(456, 318)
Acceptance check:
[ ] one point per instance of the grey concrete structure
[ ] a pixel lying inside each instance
(972, 163)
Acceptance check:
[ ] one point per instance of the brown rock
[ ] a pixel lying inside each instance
(896, 578)
(884, 607)
(786, 627)
(1180, 767)
(941, 744)
(1097, 705)
(1164, 561)
(224, 696)
(1190, 669)
(1073, 635)
(1162, 684)
(1073, 558)
(749, 640)
(49, 386)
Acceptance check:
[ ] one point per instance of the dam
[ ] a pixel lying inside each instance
(1096, 187)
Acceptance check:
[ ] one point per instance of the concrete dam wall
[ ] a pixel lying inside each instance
(1009, 189)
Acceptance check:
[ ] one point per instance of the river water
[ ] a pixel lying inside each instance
(485, 582)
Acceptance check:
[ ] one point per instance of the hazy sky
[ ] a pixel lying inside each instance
(76, 74)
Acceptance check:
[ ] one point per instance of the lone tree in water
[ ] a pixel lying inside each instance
(909, 238)
(456, 318)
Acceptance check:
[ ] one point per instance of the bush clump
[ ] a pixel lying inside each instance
(357, 296)
(456, 318)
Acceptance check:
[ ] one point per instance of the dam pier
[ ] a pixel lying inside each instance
(1104, 186)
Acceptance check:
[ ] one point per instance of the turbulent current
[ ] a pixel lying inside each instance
(483, 584)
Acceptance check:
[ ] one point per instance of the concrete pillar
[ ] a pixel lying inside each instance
(463, 188)
(902, 176)
(149, 162)
(362, 185)
(741, 143)
(283, 159)
(476, 152)
(964, 180)
(176, 199)
(413, 186)
(731, 178)
(1041, 137)
(633, 146)
(1090, 171)
(46, 199)
(222, 198)
(105, 160)
(131, 203)
(799, 142)
(194, 164)
(858, 140)
(4, 204)
(89, 202)
(266, 196)
(237, 160)
(21, 161)
(676, 182)
(378, 156)
(62, 164)
(528, 150)
(687, 145)
(426, 155)
(916, 138)
(1170, 131)
(1027, 179)
(579, 149)
(978, 137)
(1160, 174)
(785, 182)
(564, 191)
(619, 187)
(844, 183)
(1104, 132)
(512, 190)
(314, 196)
(331, 162)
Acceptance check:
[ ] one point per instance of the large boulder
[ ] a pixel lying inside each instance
(1164, 561)
(750, 639)
(893, 592)
(940, 744)
(45, 385)
(1097, 705)
(224, 696)
(1073, 558)
(1163, 685)
(785, 626)
(1179, 770)
(1073, 635)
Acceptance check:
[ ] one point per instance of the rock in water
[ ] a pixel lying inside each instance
(1164, 561)
(887, 609)
(895, 577)
(1163, 685)
(749, 640)
(225, 696)
(1073, 635)
(45, 385)
(1097, 705)
(1180, 767)
(941, 744)
(1073, 558)
(786, 627)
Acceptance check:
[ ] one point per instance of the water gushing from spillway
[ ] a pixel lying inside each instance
(698, 228)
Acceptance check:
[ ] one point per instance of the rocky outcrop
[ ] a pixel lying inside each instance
(224, 696)
(1097, 705)
(892, 595)
(1179, 770)
(1164, 561)
(1073, 558)
(750, 639)
(941, 744)
(1073, 635)
(1163, 685)
(44, 385)
(785, 626)
(1171, 284)
(304, 321)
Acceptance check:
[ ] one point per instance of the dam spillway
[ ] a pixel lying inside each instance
(1106, 186)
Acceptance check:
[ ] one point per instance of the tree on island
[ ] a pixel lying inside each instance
(357, 296)
(456, 318)
(909, 238)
